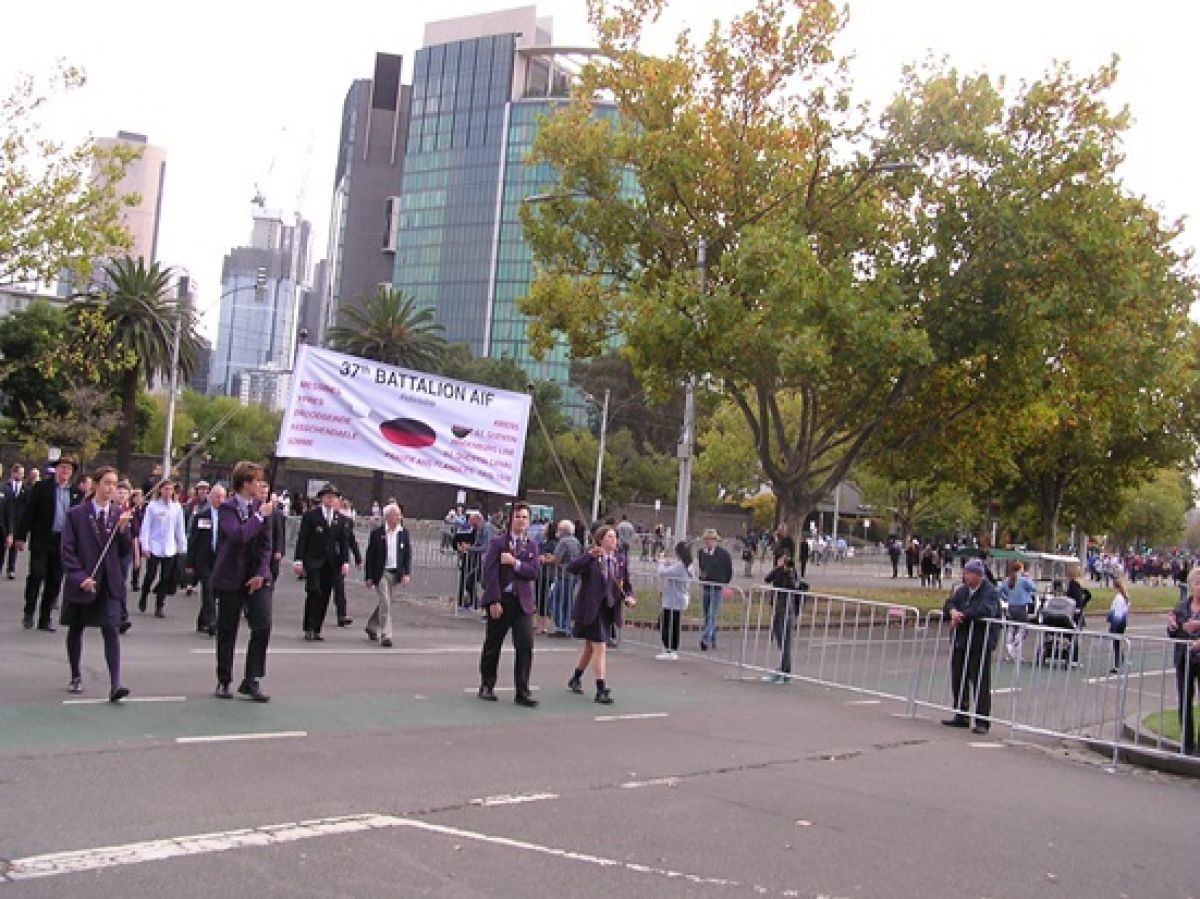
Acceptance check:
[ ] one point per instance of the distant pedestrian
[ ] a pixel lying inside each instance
(203, 530)
(786, 602)
(1183, 626)
(42, 522)
(716, 570)
(1019, 592)
(1118, 618)
(163, 540)
(675, 575)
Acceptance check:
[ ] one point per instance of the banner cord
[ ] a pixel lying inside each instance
(557, 461)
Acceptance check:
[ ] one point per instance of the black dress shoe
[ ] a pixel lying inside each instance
(371, 635)
(125, 626)
(956, 721)
(27, 622)
(386, 643)
(604, 697)
(251, 690)
(211, 630)
(223, 692)
(345, 622)
(575, 685)
(317, 638)
(118, 693)
(159, 613)
(48, 628)
(141, 605)
(526, 700)
(487, 694)
(980, 729)
(308, 636)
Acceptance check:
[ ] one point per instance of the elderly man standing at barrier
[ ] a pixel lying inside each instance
(716, 570)
(970, 608)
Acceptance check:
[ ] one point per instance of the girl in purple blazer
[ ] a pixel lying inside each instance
(94, 537)
(604, 589)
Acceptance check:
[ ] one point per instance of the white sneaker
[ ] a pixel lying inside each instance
(674, 655)
(665, 656)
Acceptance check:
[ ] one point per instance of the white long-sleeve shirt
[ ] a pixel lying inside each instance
(162, 529)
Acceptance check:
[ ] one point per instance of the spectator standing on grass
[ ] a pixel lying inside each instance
(1183, 625)
(1118, 618)
(970, 608)
(1019, 591)
(716, 570)
(674, 575)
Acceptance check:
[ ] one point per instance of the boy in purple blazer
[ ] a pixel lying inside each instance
(241, 578)
(510, 569)
(95, 533)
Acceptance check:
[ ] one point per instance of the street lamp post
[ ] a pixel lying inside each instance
(687, 438)
(181, 295)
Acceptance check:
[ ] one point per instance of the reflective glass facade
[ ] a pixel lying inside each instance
(452, 172)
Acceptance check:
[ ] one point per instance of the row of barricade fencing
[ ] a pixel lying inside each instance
(1057, 682)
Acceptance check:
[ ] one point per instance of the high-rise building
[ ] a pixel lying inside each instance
(260, 288)
(144, 177)
(480, 84)
(366, 188)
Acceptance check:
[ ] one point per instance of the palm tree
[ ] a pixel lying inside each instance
(135, 302)
(389, 328)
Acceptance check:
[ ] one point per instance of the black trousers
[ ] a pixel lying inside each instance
(1186, 679)
(513, 617)
(164, 567)
(45, 578)
(339, 594)
(11, 552)
(670, 629)
(971, 671)
(318, 584)
(229, 613)
(207, 616)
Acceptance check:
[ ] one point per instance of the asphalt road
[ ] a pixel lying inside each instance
(377, 772)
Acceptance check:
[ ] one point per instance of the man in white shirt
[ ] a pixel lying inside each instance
(388, 568)
(163, 539)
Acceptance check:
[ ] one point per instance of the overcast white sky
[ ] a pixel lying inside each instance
(245, 93)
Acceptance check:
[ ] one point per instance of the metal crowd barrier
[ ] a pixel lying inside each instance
(1060, 682)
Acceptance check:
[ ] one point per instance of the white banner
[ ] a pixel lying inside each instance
(357, 412)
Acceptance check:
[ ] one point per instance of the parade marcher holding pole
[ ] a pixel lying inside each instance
(510, 569)
(94, 537)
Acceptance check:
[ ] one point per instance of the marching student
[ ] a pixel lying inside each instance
(95, 535)
(241, 579)
(604, 590)
(510, 569)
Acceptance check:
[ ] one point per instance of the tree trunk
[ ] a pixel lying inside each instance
(129, 391)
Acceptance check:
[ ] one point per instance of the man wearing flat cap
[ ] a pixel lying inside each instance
(322, 552)
(42, 523)
(970, 609)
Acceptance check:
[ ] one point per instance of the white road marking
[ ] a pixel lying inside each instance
(638, 717)
(982, 745)
(230, 738)
(382, 653)
(506, 799)
(656, 782)
(498, 689)
(126, 700)
(1116, 677)
(59, 863)
(1004, 690)
(863, 701)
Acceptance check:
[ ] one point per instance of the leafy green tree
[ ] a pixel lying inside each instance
(134, 302)
(655, 425)
(1153, 513)
(249, 434)
(881, 306)
(389, 328)
(59, 206)
(28, 336)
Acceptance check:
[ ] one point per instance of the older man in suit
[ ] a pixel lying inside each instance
(42, 524)
(389, 567)
(322, 552)
(202, 555)
(242, 579)
(510, 569)
(971, 608)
